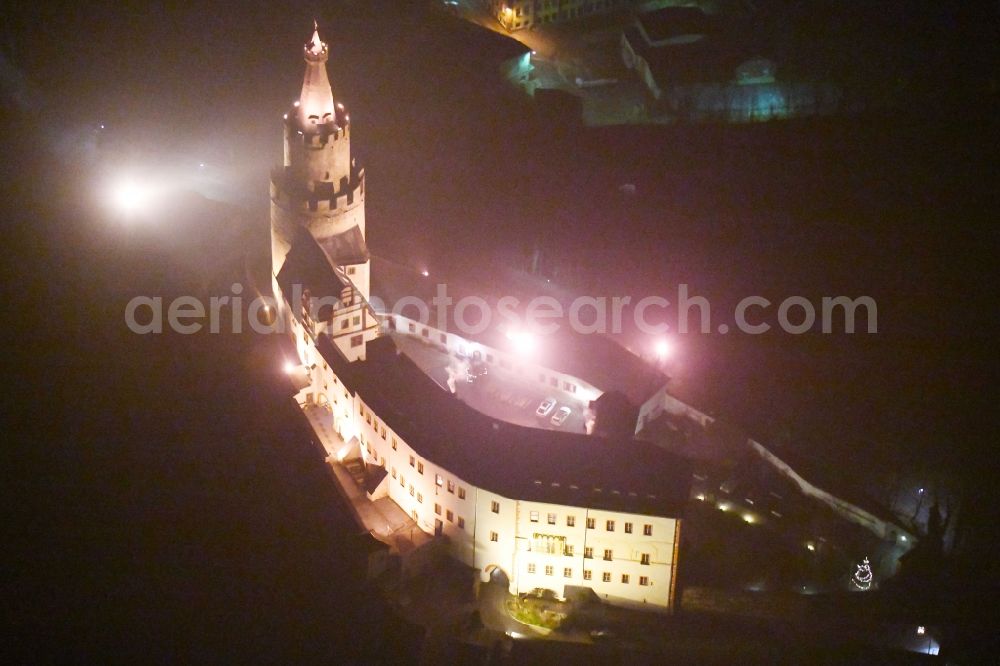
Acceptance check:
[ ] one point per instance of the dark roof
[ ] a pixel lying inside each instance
(514, 461)
(595, 358)
(704, 61)
(374, 474)
(307, 265)
(345, 248)
(671, 22)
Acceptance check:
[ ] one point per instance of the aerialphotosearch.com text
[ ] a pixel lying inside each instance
(540, 315)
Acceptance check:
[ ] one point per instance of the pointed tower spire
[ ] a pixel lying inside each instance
(316, 100)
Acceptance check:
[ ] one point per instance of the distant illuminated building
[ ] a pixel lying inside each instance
(518, 14)
(537, 508)
(693, 72)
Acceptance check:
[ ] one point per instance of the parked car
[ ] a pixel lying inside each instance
(545, 408)
(561, 415)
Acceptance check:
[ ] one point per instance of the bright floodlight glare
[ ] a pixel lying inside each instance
(425, 272)
(524, 343)
(289, 367)
(663, 348)
(129, 196)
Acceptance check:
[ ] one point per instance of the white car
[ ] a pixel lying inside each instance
(561, 415)
(545, 408)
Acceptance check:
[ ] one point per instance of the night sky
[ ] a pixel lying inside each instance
(162, 500)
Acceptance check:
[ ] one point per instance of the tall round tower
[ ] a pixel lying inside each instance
(319, 187)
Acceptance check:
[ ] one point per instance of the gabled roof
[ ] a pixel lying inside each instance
(514, 461)
(345, 248)
(307, 266)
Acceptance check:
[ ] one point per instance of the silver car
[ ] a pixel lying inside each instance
(561, 415)
(545, 408)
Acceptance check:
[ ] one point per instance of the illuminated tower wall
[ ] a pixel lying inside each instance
(319, 187)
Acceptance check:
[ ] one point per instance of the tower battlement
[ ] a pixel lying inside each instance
(319, 199)
(319, 187)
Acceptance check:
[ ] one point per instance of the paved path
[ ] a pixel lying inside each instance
(382, 517)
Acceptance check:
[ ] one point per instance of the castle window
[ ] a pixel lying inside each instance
(570, 521)
(590, 523)
(450, 516)
(461, 492)
(644, 580)
(495, 506)
(587, 574)
(413, 461)
(357, 340)
(437, 509)
(420, 468)
(567, 573)
(394, 472)
(647, 530)
(606, 577)
(568, 551)
(413, 327)
(533, 516)
(394, 443)
(644, 558)
(531, 568)
(552, 519)
(610, 525)
(351, 270)
(461, 522)
(420, 498)
(628, 528)
(344, 323)
(588, 552)
(451, 487)
(625, 578)
(608, 554)
(494, 537)
(439, 480)
(549, 569)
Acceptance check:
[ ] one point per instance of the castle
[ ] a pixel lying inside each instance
(533, 507)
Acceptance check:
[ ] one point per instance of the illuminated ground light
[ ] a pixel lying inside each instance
(724, 506)
(811, 546)
(289, 367)
(700, 497)
(749, 518)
